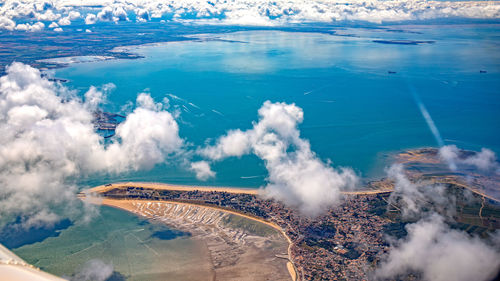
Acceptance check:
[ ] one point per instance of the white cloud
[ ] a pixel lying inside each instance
(257, 12)
(46, 143)
(202, 170)
(64, 21)
(485, 160)
(115, 13)
(415, 199)
(6, 23)
(31, 28)
(94, 270)
(142, 15)
(90, 19)
(440, 253)
(431, 247)
(74, 15)
(53, 25)
(47, 16)
(95, 97)
(296, 175)
(106, 14)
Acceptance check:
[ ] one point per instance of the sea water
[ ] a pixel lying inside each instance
(357, 94)
(134, 248)
(355, 113)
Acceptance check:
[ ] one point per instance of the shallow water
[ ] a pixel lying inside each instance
(355, 110)
(137, 249)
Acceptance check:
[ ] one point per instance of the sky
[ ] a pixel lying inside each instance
(37, 15)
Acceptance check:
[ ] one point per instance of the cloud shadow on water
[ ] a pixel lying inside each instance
(13, 235)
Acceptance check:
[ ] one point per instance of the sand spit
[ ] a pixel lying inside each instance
(237, 190)
(164, 186)
(240, 247)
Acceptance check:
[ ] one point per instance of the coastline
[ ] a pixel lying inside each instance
(165, 186)
(228, 189)
(128, 205)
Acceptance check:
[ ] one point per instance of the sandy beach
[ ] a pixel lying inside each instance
(164, 186)
(131, 204)
(237, 190)
(207, 223)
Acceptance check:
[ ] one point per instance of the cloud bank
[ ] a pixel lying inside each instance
(48, 139)
(432, 249)
(242, 12)
(297, 176)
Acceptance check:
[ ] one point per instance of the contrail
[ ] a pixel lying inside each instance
(432, 126)
(428, 118)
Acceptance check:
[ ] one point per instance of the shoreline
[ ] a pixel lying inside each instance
(206, 188)
(123, 204)
(166, 186)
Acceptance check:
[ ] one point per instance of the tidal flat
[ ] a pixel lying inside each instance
(137, 249)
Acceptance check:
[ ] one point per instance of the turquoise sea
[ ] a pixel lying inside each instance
(359, 104)
(356, 111)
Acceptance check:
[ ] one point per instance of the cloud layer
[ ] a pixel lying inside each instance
(297, 176)
(48, 139)
(239, 12)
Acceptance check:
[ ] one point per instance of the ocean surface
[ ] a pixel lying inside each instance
(357, 87)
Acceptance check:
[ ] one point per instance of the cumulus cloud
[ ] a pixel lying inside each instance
(415, 199)
(485, 160)
(202, 170)
(64, 21)
(31, 28)
(296, 175)
(6, 23)
(95, 97)
(74, 15)
(47, 16)
(142, 15)
(116, 13)
(94, 270)
(48, 139)
(90, 19)
(440, 253)
(255, 12)
(431, 248)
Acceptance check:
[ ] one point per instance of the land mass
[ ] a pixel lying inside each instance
(345, 243)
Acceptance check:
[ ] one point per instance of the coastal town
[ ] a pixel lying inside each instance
(345, 243)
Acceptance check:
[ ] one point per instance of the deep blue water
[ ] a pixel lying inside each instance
(355, 110)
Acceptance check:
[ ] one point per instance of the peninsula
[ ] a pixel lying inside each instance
(238, 225)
